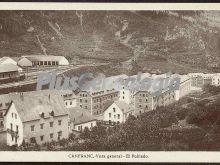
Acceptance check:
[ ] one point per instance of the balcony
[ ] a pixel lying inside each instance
(13, 133)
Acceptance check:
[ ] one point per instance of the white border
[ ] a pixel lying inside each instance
(107, 6)
(159, 156)
(155, 156)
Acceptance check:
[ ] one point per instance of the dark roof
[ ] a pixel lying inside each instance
(31, 104)
(79, 115)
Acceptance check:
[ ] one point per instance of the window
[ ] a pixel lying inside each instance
(66, 103)
(11, 126)
(80, 100)
(42, 137)
(15, 116)
(51, 135)
(118, 116)
(32, 128)
(59, 122)
(12, 115)
(16, 128)
(51, 124)
(1, 114)
(42, 126)
(33, 140)
(113, 109)
(123, 97)
(146, 106)
(123, 92)
(146, 100)
(59, 133)
(71, 103)
(114, 116)
(110, 115)
(79, 128)
(139, 106)
(85, 101)
(12, 138)
(1, 123)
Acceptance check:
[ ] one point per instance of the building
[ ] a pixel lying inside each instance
(44, 116)
(201, 79)
(11, 127)
(24, 62)
(43, 60)
(80, 119)
(94, 101)
(10, 73)
(197, 81)
(143, 102)
(70, 100)
(184, 88)
(68, 96)
(216, 80)
(118, 112)
(7, 60)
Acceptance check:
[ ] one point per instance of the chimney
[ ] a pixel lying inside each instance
(49, 98)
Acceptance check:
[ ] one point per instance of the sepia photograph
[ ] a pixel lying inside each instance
(109, 80)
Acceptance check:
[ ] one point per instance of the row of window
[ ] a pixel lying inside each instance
(71, 103)
(6, 104)
(14, 115)
(42, 125)
(80, 100)
(59, 134)
(118, 116)
(83, 95)
(104, 98)
(140, 100)
(143, 106)
(7, 75)
(45, 62)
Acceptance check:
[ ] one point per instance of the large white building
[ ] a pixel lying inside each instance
(184, 88)
(118, 112)
(80, 119)
(11, 127)
(216, 80)
(43, 60)
(44, 116)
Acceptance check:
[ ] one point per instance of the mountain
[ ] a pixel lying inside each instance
(178, 41)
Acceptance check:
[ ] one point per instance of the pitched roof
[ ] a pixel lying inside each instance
(8, 68)
(44, 58)
(31, 104)
(79, 115)
(124, 106)
(121, 104)
(3, 59)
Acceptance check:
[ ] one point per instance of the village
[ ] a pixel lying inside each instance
(39, 117)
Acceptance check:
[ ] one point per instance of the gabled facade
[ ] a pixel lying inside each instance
(11, 127)
(118, 112)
